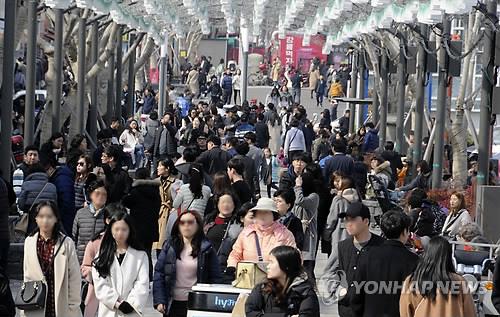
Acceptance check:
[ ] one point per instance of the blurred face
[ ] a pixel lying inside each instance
(105, 159)
(188, 225)
(273, 269)
(298, 166)
(31, 157)
(374, 163)
(281, 205)
(337, 182)
(162, 170)
(98, 197)
(454, 202)
(202, 142)
(264, 218)
(225, 206)
(120, 231)
(81, 166)
(267, 153)
(115, 125)
(355, 226)
(248, 219)
(83, 145)
(133, 125)
(193, 114)
(58, 143)
(46, 219)
(196, 123)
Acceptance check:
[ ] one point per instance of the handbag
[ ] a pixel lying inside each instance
(250, 273)
(22, 225)
(33, 294)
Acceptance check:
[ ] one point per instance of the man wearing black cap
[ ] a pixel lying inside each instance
(345, 257)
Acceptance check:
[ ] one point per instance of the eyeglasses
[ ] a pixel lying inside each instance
(81, 164)
(189, 222)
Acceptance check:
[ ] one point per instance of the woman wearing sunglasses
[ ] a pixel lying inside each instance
(187, 258)
(83, 178)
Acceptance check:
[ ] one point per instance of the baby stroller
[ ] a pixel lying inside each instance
(382, 196)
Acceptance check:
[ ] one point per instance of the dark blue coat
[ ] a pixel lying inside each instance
(165, 271)
(63, 179)
(371, 141)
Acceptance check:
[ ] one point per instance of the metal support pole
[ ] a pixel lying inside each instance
(383, 98)
(352, 90)
(58, 69)
(486, 90)
(7, 87)
(437, 173)
(375, 108)
(131, 76)
(80, 113)
(244, 77)
(29, 110)
(94, 88)
(361, 89)
(420, 99)
(118, 81)
(162, 84)
(110, 100)
(400, 113)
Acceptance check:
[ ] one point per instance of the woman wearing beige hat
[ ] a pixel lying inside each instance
(265, 234)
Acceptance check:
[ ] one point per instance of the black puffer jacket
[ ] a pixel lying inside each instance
(301, 300)
(85, 226)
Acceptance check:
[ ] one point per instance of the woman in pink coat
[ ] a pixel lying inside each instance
(269, 232)
(91, 250)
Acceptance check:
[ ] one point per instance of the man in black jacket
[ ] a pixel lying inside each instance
(339, 162)
(345, 257)
(215, 159)
(165, 143)
(393, 157)
(118, 182)
(261, 132)
(385, 277)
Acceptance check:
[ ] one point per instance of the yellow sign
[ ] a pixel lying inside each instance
(183, 53)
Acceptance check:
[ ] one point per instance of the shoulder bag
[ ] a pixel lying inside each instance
(250, 273)
(22, 224)
(33, 294)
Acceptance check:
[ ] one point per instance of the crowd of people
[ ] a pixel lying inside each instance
(187, 185)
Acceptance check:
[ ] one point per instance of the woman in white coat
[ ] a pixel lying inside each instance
(133, 143)
(121, 271)
(50, 256)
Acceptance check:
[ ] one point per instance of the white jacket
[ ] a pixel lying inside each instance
(129, 140)
(128, 281)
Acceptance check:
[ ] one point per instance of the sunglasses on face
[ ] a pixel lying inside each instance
(81, 163)
(189, 222)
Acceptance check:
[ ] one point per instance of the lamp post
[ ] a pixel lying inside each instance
(244, 71)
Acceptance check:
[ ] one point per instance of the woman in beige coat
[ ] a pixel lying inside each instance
(434, 289)
(169, 185)
(50, 256)
(192, 81)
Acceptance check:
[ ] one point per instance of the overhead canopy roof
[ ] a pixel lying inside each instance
(340, 20)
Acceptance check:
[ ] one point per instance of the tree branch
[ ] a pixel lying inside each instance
(133, 47)
(148, 50)
(110, 47)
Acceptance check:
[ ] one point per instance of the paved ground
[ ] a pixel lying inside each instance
(260, 93)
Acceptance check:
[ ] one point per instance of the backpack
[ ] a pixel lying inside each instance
(323, 150)
(439, 215)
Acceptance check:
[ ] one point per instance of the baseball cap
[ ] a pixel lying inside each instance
(356, 209)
